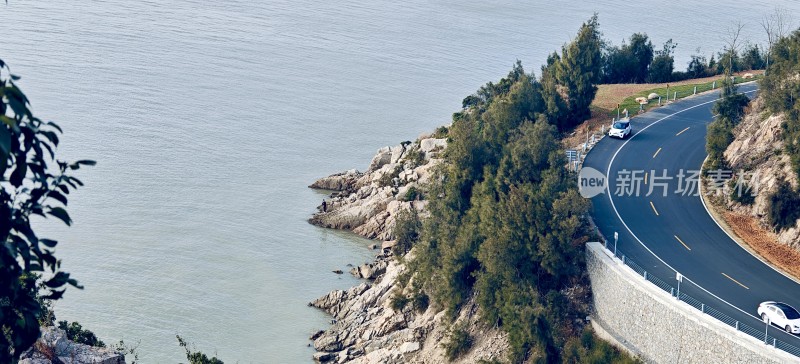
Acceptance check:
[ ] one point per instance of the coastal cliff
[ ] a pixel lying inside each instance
(367, 326)
(757, 150)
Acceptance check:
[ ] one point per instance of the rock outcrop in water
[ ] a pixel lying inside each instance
(366, 328)
(54, 347)
(367, 203)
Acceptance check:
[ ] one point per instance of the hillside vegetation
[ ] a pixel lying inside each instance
(506, 223)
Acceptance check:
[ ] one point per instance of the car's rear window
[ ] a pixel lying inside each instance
(620, 125)
(789, 311)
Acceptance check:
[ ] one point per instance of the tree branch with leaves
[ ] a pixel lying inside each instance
(32, 182)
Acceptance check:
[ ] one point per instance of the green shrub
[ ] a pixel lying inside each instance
(412, 194)
(398, 301)
(406, 231)
(387, 179)
(784, 206)
(591, 349)
(196, 357)
(415, 157)
(458, 342)
(780, 88)
(743, 195)
(76, 333)
(440, 133)
(420, 302)
(131, 352)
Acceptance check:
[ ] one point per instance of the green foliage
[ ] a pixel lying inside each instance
(663, 64)
(698, 67)
(441, 132)
(742, 194)
(196, 357)
(730, 107)
(415, 157)
(407, 230)
(784, 207)
(412, 194)
(398, 301)
(493, 361)
(420, 301)
(506, 218)
(33, 182)
(781, 89)
(730, 110)
(628, 63)
(76, 333)
(718, 137)
(486, 93)
(752, 58)
(590, 349)
(570, 79)
(458, 342)
(507, 224)
(131, 352)
(388, 179)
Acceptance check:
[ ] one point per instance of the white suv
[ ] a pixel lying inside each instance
(781, 315)
(620, 129)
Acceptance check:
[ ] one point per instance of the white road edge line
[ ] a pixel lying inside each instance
(608, 173)
(795, 280)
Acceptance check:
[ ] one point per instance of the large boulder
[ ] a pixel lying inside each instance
(370, 270)
(54, 347)
(432, 145)
(381, 158)
(338, 182)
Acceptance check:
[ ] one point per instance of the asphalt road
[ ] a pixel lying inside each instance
(665, 235)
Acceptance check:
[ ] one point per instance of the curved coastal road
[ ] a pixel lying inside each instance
(676, 233)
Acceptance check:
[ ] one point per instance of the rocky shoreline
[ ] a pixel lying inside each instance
(366, 328)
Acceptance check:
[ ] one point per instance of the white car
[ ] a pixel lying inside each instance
(781, 315)
(620, 129)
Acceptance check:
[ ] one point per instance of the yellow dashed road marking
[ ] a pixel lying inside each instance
(681, 132)
(654, 155)
(735, 281)
(654, 208)
(682, 243)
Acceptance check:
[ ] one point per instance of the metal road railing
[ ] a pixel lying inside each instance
(761, 334)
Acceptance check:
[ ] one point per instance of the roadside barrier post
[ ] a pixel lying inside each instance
(714, 85)
(675, 96)
(679, 278)
(695, 91)
(766, 329)
(659, 101)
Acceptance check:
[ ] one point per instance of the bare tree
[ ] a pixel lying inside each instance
(732, 42)
(777, 25)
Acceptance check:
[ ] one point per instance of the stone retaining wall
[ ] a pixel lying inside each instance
(661, 329)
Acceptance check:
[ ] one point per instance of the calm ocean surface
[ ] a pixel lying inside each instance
(208, 119)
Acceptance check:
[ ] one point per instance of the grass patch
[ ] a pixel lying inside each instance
(682, 89)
